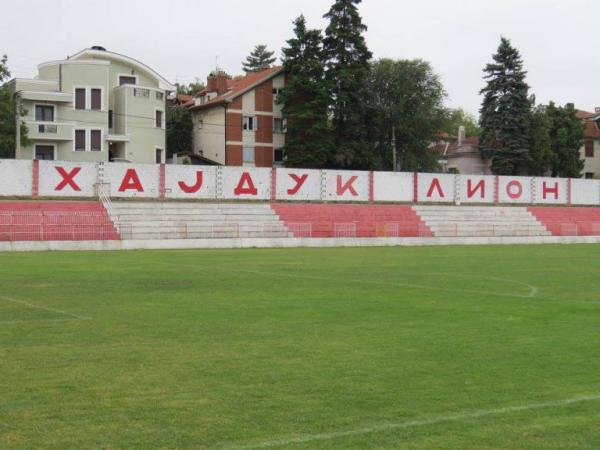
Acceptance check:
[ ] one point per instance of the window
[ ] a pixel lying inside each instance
(278, 155)
(200, 123)
(159, 156)
(589, 175)
(80, 140)
(79, 98)
(249, 123)
(158, 118)
(141, 92)
(276, 92)
(45, 152)
(160, 96)
(248, 155)
(96, 140)
(279, 125)
(96, 98)
(124, 79)
(44, 113)
(589, 149)
(110, 118)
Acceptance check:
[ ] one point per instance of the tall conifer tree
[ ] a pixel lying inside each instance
(504, 113)
(259, 59)
(305, 100)
(347, 73)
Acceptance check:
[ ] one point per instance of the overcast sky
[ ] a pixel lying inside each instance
(181, 39)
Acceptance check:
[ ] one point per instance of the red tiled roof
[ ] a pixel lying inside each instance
(591, 131)
(584, 114)
(240, 85)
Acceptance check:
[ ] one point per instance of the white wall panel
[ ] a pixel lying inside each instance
(585, 192)
(514, 189)
(476, 188)
(132, 180)
(298, 184)
(67, 179)
(247, 183)
(15, 177)
(393, 186)
(199, 182)
(346, 185)
(551, 191)
(438, 188)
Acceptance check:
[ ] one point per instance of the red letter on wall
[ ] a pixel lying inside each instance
(194, 188)
(131, 181)
(299, 183)
(514, 189)
(435, 184)
(67, 178)
(471, 191)
(546, 190)
(341, 189)
(249, 189)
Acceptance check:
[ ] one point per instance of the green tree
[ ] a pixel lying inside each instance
(180, 129)
(305, 100)
(540, 144)
(347, 72)
(566, 136)
(405, 98)
(9, 108)
(259, 59)
(504, 114)
(190, 89)
(458, 117)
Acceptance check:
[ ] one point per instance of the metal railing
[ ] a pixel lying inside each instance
(55, 226)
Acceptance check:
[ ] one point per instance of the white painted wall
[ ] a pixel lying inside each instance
(202, 180)
(346, 185)
(298, 184)
(122, 178)
(239, 179)
(15, 177)
(438, 188)
(82, 176)
(514, 189)
(393, 186)
(476, 188)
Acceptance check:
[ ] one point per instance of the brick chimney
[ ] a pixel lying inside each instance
(217, 82)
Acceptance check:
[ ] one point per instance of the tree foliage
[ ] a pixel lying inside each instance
(456, 118)
(259, 59)
(405, 97)
(504, 114)
(566, 137)
(191, 88)
(347, 72)
(305, 100)
(8, 116)
(180, 130)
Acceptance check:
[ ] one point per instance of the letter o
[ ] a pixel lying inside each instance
(511, 192)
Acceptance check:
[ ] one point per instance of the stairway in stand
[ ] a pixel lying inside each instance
(480, 221)
(181, 220)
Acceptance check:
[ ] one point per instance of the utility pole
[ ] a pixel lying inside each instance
(394, 155)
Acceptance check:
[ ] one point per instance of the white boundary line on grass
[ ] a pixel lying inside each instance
(413, 423)
(31, 305)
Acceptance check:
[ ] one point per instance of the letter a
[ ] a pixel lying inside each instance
(131, 181)
(249, 189)
(194, 188)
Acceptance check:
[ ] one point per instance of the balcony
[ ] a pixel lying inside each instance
(49, 131)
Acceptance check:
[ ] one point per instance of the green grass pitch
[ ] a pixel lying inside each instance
(364, 348)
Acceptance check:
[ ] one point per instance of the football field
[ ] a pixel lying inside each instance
(358, 348)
